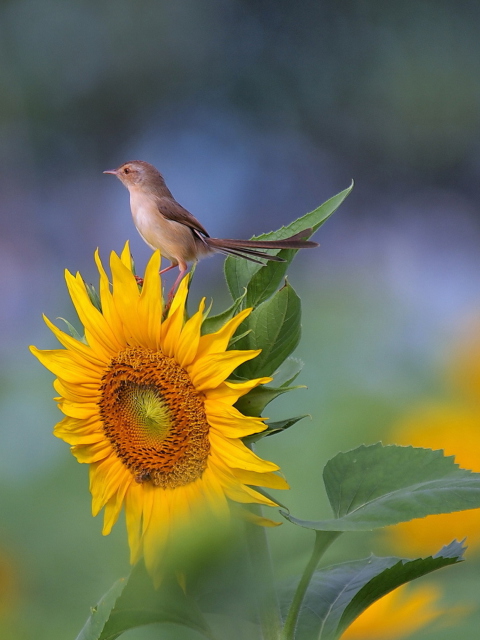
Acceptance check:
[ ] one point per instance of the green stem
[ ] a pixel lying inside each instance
(269, 611)
(323, 539)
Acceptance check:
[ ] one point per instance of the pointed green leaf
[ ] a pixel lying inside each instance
(275, 329)
(236, 338)
(73, 332)
(101, 612)
(214, 323)
(254, 402)
(93, 295)
(264, 280)
(340, 593)
(287, 372)
(134, 603)
(275, 427)
(393, 577)
(377, 486)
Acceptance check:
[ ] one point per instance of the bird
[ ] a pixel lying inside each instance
(165, 225)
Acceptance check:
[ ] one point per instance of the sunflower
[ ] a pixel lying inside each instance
(149, 407)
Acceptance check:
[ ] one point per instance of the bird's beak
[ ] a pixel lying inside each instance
(112, 171)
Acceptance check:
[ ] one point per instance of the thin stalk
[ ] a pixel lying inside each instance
(323, 539)
(259, 550)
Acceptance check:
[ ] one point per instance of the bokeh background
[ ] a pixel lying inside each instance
(256, 112)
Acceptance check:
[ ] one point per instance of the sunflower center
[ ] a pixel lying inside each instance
(154, 418)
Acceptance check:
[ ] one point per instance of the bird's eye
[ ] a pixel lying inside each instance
(126, 170)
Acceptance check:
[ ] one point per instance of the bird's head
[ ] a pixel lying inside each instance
(138, 173)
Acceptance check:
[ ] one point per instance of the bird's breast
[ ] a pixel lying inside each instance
(174, 240)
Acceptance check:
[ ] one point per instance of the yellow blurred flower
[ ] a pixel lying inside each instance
(398, 614)
(455, 428)
(148, 406)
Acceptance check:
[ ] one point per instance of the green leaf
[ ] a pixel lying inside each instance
(275, 427)
(93, 295)
(340, 593)
(134, 603)
(101, 612)
(264, 280)
(275, 329)
(214, 323)
(377, 486)
(288, 372)
(73, 332)
(236, 338)
(255, 401)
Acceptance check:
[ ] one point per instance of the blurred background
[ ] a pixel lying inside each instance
(256, 113)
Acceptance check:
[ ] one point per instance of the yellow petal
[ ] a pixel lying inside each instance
(269, 480)
(126, 256)
(126, 296)
(231, 423)
(109, 310)
(208, 372)
(150, 303)
(261, 521)
(190, 337)
(237, 455)
(133, 519)
(83, 410)
(98, 332)
(218, 341)
(229, 392)
(81, 350)
(92, 452)
(64, 365)
(172, 326)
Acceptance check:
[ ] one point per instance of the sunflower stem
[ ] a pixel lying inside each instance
(259, 550)
(323, 539)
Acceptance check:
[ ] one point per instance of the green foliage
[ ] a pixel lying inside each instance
(73, 332)
(377, 486)
(275, 427)
(262, 281)
(254, 402)
(134, 602)
(369, 487)
(337, 595)
(93, 295)
(214, 323)
(274, 327)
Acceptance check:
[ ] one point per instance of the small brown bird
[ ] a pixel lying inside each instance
(164, 224)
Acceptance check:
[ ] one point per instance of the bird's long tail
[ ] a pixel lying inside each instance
(248, 249)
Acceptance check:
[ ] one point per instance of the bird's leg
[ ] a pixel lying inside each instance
(183, 268)
(171, 266)
(140, 280)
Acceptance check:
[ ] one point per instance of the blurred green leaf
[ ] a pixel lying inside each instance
(101, 612)
(275, 427)
(377, 486)
(262, 281)
(275, 329)
(340, 593)
(134, 602)
(254, 402)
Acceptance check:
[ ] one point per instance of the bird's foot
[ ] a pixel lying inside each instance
(139, 281)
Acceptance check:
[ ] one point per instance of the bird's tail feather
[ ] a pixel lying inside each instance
(248, 254)
(249, 248)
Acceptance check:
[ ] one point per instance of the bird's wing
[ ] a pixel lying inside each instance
(172, 210)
